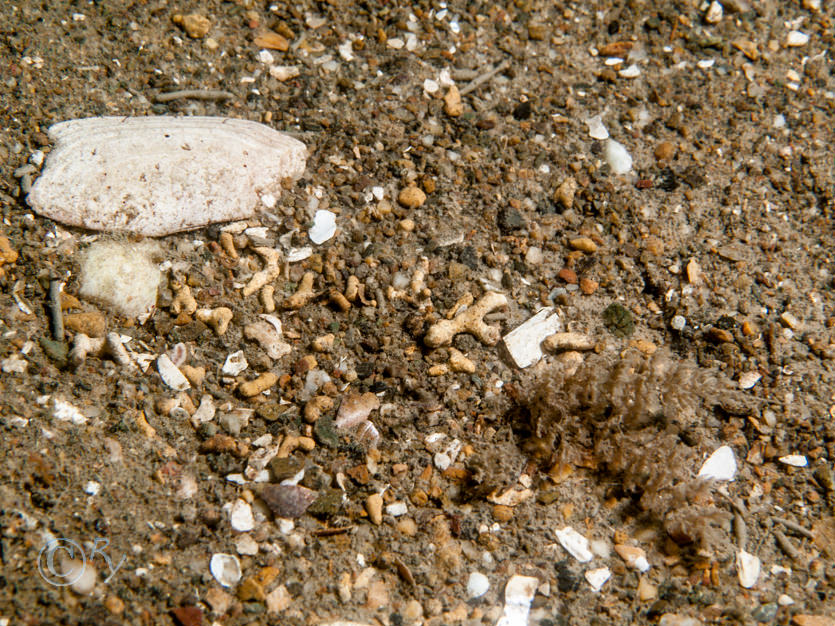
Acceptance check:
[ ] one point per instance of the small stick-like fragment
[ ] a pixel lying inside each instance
(480, 80)
(800, 530)
(55, 286)
(786, 545)
(559, 342)
(267, 298)
(194, 94)
(741, 531)
(303, 294)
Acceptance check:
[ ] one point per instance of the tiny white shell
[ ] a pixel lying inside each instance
(161, 175)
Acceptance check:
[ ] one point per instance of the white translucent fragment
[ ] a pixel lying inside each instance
(785, 600)
(617, 157)
(714, 13)
(705, 64)
(324, 227)
(245, 545)
(518, 595)
(92, 488)
(633, 71)
(121, 274)
(596, 128)
(396, 509)
(721, 465)
(477, 585)
(748, 568)
(796, 460)
(299, 254)
(240, 516)
(598, 577)
(749, 379)
(161, 175)
(346, 50)
(523, 342)
(205, 412)
(226, 568)
(511, 497)
(266, 57)
(171, 374)
(430, 86)
(235, 364)
(284, 72)
(66, 412)
(574, 543)
(796, 39)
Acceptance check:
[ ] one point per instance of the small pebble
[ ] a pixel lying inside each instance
(564, 194)
(374, 506)
(195, 25)
(646, 590)
(583, 243)
(588, 286)
(665, 150)
(412, 197)
(452, 102)
(678, 323)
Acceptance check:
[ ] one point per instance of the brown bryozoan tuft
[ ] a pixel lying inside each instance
(636, 422)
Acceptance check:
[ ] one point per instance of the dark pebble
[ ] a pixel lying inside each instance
(510, 219)
(618, 320)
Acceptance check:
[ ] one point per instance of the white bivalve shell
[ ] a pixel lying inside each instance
(160, 175)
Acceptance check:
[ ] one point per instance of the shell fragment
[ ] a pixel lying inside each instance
(161, 175)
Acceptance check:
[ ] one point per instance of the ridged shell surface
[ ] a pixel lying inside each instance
(160, 175)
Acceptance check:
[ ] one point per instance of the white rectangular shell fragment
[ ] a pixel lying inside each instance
(160, 175)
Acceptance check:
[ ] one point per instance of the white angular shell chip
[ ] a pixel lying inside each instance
(721, 465)
(161, 175)
(575, 544)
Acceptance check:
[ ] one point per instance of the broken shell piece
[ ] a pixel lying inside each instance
(518, 595)
(226, 569)
(511, 497)
(355, 409)
(66, 412)
(477, 585)
(634, 556)
(749, 379)
(235, 364)
(269, 337)
(240, 516)
(598, 577)
(324, 227)
(721, 465)
(171, 375)
(795, 460)
(748, 569)
(574, 543)
(204, 413)
(468, 321)
(164, 174)
(288, 501)
(523, 342)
